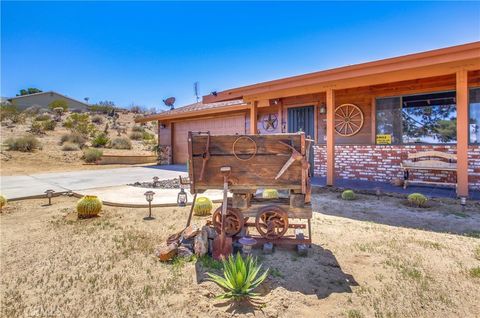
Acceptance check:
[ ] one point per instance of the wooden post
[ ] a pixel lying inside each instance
(280, 115)
(462, 133)
(330, 137)
(315, 123)
(253, 118)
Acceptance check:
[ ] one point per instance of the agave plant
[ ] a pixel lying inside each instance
(239, 277)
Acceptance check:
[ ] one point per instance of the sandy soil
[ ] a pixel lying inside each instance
(55, 265)
(51, 158)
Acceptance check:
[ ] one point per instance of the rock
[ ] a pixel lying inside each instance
(187, 243)
(211, 233)
(182, 251)
(302, 250)
(190, 231)
(201, 243)
(268, 248)
(166, 253)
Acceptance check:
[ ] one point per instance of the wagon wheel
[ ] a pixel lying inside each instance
(233, 221)
(272, 222)
(348, 120)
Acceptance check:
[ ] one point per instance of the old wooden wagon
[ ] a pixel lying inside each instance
(254, 163)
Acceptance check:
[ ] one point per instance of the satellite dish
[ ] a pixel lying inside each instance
(169, 102)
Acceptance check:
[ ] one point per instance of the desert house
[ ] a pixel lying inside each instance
(43, 99)
(365, 118)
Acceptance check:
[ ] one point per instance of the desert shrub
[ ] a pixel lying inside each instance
(80, 123)
(147, 136)
(100, 140)
(138, 129)
(58, 103)
(135, 135)
(42, 117)
(36, 128)
(3, 201)
(49, 124)
(70, 146)
(135, 109)
(270, 194)
(348, 195)
(89, 206)
(417, 199)
(12, 113)
(104, 109)
(97, 119)
(26, 143)
(203, 206)
(121, 143)
(92, 155)
(74, 138)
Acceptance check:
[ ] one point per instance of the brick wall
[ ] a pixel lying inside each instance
(382, 163)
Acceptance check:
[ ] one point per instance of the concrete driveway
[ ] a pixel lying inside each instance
(21, 186)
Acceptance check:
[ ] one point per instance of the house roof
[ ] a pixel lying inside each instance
(48, 92)
(195, 109)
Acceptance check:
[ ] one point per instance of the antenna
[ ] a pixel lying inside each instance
(195, 89)
(169, 102)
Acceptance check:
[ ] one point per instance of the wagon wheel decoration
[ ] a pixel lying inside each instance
(233, 221)
(348, 120)
(272, 222)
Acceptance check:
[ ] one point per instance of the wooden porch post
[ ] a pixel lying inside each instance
(280, 115)
(253, 118)
(330, 137)
(462, 133)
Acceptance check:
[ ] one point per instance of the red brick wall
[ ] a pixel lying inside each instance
(382, 163)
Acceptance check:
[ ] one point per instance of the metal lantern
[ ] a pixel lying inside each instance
(247, 244)
(155, 181)
(463, 203)
(49, 194)
(149, 198)
(182, 198)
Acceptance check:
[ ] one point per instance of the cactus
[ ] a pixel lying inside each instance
(203, 206)
(270, 194)
(3, 202)
(348, 195)
(89, 206)
(417, 199)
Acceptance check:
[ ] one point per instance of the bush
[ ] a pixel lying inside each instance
(23, 144)
(36, 128)
(97, 119)
(348, 195)
(80, 123)
(11, 112)
(417, 199)
(270, 194)
(43, 117)
(73, 138)
(203, 206)
(104, 109)
(92, 155)
(138, 129)
(147, 136)
(89, 206)
(58, 103)
(121, 143)
(49, 124)
(100, 140)
(70, 146)
(134, 135)
(3, 201)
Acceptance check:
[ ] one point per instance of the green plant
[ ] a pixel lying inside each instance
(26, 143)
(121, 143)
(239, 277)
(100, 140)
(42, 117)
(270, 194)
(97, 119)
(203, 206)
(3, 202)
(89, 206)
(135, 135)
(138, 129)
(58, 103)
(10, 111)
(148, 136)
(49, 124)
(348, 195)
(475, 272)
(75, 138)
(36, 128)
(69, 146)
(417, 199)
(104, 109)
(80, 123)
(91, 155)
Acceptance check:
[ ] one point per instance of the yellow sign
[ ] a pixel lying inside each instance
(384, 139)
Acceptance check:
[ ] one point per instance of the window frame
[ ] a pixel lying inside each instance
(470, 143)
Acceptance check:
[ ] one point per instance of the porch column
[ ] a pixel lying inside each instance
(330, 137)
(462, 133)
(253, 118)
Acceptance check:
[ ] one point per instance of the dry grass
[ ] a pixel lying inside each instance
(56, 265)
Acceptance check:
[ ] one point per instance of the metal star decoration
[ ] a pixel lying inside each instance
(270, 122)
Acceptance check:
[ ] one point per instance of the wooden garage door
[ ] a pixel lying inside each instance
(222, 125)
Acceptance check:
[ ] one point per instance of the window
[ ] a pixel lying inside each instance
(474, 116)
(426, 118)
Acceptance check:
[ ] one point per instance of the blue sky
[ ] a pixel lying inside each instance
(144, 52)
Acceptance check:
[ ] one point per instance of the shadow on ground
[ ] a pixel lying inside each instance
(179, 168)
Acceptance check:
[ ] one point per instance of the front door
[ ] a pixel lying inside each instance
(302, 119)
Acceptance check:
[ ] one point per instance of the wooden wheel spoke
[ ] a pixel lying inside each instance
(348, 120)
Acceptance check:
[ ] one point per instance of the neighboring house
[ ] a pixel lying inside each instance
(364, 118)
(44, 99)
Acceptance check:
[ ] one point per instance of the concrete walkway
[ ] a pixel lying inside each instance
(29, 185)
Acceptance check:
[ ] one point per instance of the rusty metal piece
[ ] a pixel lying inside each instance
(233, 221)
(272, 222)
(205, 156)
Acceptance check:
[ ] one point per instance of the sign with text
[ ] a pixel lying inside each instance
(384, 139)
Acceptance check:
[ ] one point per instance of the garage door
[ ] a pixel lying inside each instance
(222, 125)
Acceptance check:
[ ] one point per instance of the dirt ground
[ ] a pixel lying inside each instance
(55, 265)
(51, 158)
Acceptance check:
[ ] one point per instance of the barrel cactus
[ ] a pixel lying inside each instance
(417, 199)
(3, 201)
(348, 195)
(270, 194)
(89, 206)
(203, 206)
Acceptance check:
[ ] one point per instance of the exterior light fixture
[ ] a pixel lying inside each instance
(149, 197)
(323, 109)
(247, 244)
(182, 198)
(155, 181)
(49, 194)
(463, 203)
(163, 126)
